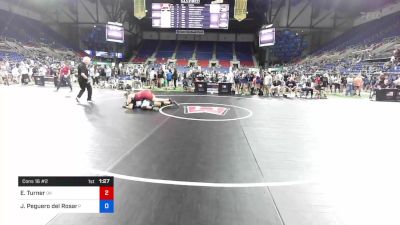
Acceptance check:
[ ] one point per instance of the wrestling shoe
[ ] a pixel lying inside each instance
(90, 101)
(77, 99)
(174, 105)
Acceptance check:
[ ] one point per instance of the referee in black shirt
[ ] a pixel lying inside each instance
(83, 79)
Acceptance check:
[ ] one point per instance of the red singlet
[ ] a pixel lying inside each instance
(144, 95)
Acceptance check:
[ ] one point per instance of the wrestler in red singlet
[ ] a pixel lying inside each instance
(144, 95)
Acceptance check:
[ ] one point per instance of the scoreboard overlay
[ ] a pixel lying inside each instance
(66, 194)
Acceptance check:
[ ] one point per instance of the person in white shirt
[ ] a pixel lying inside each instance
(16, 75)
(349, 85)
(397, 82)
(43, 70)
(4, 73)
(30, 72)
(230, 78)
(153, 77)
(108, 72)
(267, 84)
(24, 73)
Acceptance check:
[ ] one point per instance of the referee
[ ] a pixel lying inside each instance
(84, 79)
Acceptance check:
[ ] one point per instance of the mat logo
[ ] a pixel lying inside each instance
(219, 111)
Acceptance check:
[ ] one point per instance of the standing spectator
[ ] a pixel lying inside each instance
(142, 73)
(24, 73)
(153, 78)
(96, 76)
(349, 85)
(267, 84)
(4, 73)
(108, 73)
(15, 74)
(169, 77)
(84, 79)
(175, 77)
(64, 76)
(343, 81)
(160, 78)
(358, 82)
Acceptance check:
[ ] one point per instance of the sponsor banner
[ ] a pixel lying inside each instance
(214, 110)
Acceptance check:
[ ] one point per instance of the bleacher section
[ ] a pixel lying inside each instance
(244, 54)
(185, 50)
(146, 50)
(203, 52)
(224, 51)
(11, 56)
(27, 30)
(366, 34)
(182, 62)
(203, 63)
(288, 45)
(166, 50)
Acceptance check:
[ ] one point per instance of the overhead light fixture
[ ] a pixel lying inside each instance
(267, 26)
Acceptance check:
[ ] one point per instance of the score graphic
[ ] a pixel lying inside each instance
(66, 194)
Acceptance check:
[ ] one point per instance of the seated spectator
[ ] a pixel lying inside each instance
(276, 87)
(308, 87)
(397, 82)
(290, 87)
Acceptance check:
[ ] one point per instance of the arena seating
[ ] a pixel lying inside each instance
(182, 62)
(224, 63)
(146, 50)
(205, 46)
(224, 51)
(165, 50)
(246, 63)
(204, 63)
(366, 34)
(201, 51)
(185, 50)
(11, 56)
(204, 51)
(27, 30)
(288, 45)
(244, 54)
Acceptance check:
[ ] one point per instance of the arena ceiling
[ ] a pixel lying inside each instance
(256, 8)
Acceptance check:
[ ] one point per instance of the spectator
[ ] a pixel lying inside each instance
(169, 77)
(108, 72)
(358, 82)
(267, 84)
(15, 74)
(175, 77)
(64, 76)
(349, 86)
(4, 73)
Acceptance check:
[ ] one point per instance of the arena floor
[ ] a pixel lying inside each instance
(255, 161)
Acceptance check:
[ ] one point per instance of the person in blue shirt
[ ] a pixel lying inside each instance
(169, 77)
